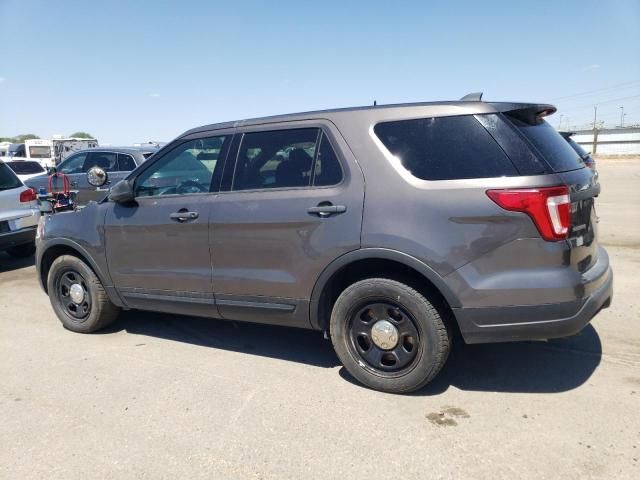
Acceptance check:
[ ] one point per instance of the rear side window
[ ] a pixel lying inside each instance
(8, 179)
(276, 159)
(560, 156)
(445, 148)
(25, 168)
(125, 162)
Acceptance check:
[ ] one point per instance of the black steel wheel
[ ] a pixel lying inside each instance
(389, 336)
(385, 336)
(73, 294)
(78, 297)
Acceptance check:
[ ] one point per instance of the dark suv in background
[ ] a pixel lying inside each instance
(117, 161)
(386, 227)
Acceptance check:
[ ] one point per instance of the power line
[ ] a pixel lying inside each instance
(597, 90)
(598, 103)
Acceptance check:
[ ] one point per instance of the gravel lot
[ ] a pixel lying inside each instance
(161, 396)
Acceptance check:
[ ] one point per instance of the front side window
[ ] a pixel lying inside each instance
(188, 168)
(72, 164)
(42, 151)
(276, 159)
(445, 148)
(104, 160)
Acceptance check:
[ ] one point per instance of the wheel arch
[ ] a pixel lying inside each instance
(59, 247)
(381, 262)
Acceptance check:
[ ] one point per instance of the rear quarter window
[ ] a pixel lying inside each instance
(445, 148)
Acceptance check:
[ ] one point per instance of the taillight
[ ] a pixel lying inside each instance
(548, 207)
(28, 195)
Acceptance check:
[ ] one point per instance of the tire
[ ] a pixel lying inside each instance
(94, 312)
(368, 353)
(22, 251)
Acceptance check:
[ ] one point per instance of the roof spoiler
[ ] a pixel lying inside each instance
(472, 97)
(531, 113)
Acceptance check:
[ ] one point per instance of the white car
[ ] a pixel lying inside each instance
(19, 214)
(25, 169)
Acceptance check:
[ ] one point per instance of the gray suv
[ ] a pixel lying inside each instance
(389, 228)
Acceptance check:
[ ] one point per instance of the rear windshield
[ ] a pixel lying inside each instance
(560, 156)
(25, 168)
(445, 148)
(8, 179)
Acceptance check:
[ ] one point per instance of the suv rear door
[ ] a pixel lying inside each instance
(291, 203)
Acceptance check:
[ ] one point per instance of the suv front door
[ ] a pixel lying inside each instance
(294, 205)
(158, 247)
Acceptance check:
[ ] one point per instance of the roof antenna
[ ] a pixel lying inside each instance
(472, 97)
(375, 103)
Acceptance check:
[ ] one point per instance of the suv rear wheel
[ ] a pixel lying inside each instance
(388, 335)
(78, 297)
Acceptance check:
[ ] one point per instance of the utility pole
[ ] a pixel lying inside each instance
(621, 116)
(560, 122)
(595, 115)
(594, 147)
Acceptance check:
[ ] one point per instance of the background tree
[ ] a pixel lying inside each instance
(19, 138)
(81, 135)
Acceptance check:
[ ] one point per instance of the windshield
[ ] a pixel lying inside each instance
(8, 179)
(40, 151)
(560, 156)
(25, 168)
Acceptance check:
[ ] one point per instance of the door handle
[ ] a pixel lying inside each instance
(183, 216)
(325, 209)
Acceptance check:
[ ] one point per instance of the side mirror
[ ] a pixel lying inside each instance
(122, 192)
(97, 177)
(52, 170)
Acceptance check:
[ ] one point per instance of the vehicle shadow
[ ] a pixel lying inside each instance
(8, 263)
(554, 366)
(292, 344)
(520, 367)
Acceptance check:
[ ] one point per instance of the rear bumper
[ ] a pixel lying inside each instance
(536, 322)
(17, 237)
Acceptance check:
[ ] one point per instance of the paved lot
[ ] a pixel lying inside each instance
(160, 396)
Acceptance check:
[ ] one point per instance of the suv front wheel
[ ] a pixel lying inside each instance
(388, 335)
(78, 297)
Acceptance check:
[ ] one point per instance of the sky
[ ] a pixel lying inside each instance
(133, 71)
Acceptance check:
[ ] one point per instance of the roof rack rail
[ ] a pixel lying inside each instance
(472, 97)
